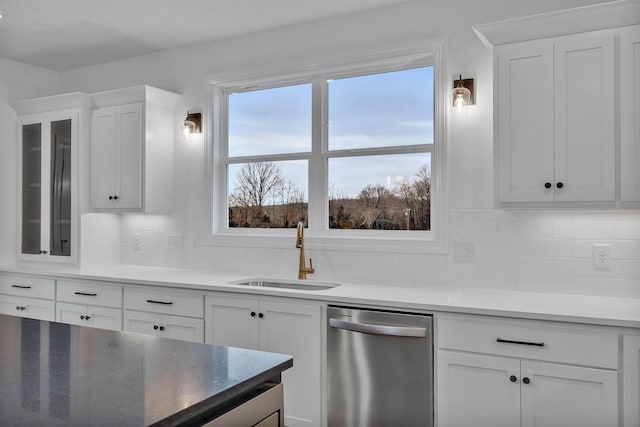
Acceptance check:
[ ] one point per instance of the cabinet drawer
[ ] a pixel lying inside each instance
(90, 293)
(538, 340)
(27, 286)
(162, 300)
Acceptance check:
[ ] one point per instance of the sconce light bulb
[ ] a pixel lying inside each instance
(459, 102)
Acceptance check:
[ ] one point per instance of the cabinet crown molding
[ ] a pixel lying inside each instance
(588, 18)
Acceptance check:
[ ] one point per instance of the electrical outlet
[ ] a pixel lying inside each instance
(174, 242)
(602, 256)
(136, 244)
(464, 252)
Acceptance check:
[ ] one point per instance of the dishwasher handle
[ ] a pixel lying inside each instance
(367, 328)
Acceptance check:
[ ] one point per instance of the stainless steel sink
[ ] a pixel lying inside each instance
(312, 286)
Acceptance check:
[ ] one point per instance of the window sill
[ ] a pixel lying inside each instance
(282, 239)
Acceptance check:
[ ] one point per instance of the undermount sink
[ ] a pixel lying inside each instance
(270, 283)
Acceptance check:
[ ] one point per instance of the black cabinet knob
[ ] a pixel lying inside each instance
(526, 380)
(82, 316)
(110, 197)
(559, 185)
(162, 328)
(513, 378)
(155, 327)
(547, 185)
(43, 252)
(17, 307)
(253, 314)
(115, 197)
(261, 315)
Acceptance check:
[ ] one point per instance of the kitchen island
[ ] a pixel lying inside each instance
(55, 374)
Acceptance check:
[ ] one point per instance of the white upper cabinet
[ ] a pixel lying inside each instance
(556, 111)
(132, 150)
(50, 137)
(567, 107)
(630, 114)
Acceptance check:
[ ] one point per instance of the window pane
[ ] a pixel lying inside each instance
(381, 110)
(390, 192)
(270, 121)
(267, 194)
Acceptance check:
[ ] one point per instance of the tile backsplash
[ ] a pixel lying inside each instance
(525, 250)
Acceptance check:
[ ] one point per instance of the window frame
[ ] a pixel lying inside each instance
(318, 234)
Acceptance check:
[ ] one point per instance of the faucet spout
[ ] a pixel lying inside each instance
(303, 270)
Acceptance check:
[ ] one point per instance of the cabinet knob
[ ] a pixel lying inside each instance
(115, 197)
(43, 252)
(82, 317)
(513, 378)
(559, 185)
(261, 315)
(253, 314)
(110, 197)
(526, 380)
(547, 185)
(155, 327)
(162, 328)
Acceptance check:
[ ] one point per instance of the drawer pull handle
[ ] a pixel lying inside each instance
(86, 294)
(152, 301)
(536, 344)
(21, 286)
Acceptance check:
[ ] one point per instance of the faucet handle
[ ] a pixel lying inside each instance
(310, 269)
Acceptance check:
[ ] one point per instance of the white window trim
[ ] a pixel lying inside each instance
(215, 123)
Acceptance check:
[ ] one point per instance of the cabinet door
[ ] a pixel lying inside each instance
(631, 380)
(474, 390)
(141, 323)
(568, 396)
(73, 314)
(584, 76)
(232, 321)
(525, 122)
(103, 157)
(182, 328)
(39, 309)
(11, 305)
(295, 329)
(630, 114)
(129, 127)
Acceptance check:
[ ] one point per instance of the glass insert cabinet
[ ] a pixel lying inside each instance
(47, 149)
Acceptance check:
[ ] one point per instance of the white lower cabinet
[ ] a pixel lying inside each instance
(482, 390)
(281, 326)
(509, 372)
(87, 315)
(631, 380)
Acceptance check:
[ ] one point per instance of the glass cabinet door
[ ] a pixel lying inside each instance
(60, 217)
(31, 183)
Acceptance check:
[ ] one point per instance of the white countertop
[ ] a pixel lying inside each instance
(597, 310)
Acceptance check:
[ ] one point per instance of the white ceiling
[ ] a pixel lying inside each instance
(66, 34)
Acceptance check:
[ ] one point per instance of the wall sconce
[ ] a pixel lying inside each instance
(192, 124)
(462, 93)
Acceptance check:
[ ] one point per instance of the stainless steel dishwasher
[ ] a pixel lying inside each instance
(380, 368)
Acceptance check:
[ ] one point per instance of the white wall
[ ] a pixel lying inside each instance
(528, 250)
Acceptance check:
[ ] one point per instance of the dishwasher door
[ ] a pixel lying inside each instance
(380, 368)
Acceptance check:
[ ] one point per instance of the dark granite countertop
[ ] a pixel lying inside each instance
(53, 374)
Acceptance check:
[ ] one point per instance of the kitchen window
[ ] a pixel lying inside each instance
(354, 151)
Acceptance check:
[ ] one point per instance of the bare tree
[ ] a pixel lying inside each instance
(255, 183)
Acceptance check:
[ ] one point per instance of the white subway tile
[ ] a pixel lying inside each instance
(543, 248)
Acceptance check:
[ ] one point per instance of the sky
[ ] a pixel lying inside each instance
(387, 109)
